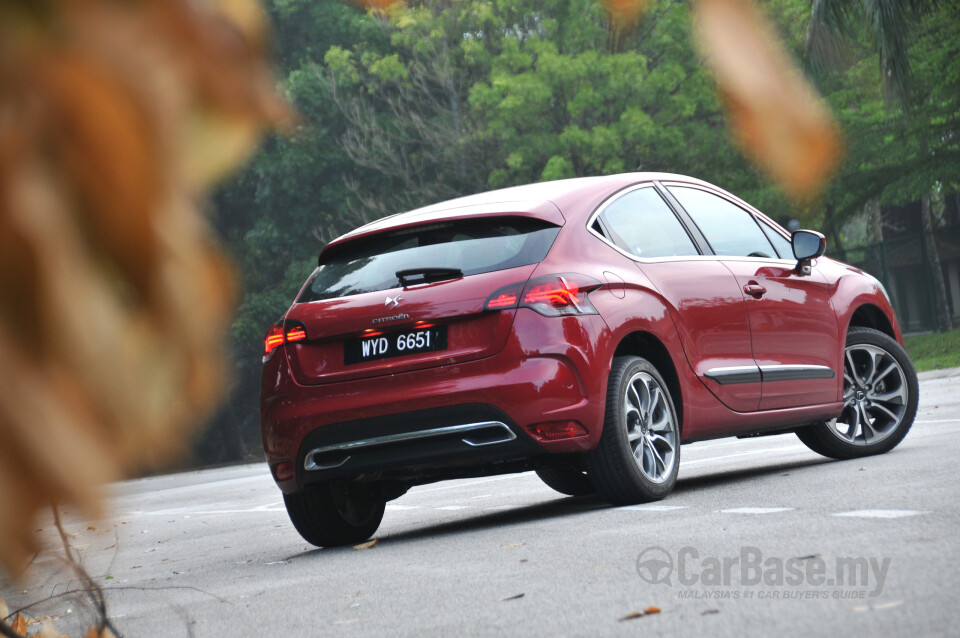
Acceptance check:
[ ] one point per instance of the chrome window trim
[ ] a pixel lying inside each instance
(659, 260)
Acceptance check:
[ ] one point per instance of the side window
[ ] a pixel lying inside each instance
(641, 223)
(782, 244)
(729, 229)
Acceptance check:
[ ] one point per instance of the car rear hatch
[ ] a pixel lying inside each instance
(412, 298)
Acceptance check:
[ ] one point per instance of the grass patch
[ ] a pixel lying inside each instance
(935, 351)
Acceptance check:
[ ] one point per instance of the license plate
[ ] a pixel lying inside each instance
(395, 344)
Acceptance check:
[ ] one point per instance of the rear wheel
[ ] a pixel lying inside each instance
(567, 479)
(880, 393)
(639, 451)
(329, 516)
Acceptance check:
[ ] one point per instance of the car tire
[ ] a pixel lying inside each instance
(638, 455)
(880, 394)
(567, 479)
(327, 517)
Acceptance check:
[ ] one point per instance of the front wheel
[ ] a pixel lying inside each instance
(639, 452)
(880, 394)
(328, 516)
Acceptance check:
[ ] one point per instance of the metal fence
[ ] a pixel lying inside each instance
(903, 266)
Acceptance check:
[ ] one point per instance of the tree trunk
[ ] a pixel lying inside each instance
(944, 322)
(874, 216)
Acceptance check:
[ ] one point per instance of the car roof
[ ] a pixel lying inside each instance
(555, 201)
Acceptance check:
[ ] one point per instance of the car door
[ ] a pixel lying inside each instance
(704, 297)
(793, 328)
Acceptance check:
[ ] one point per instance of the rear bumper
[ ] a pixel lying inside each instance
(545, 373)
(414, 446)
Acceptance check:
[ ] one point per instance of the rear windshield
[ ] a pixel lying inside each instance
(473, 247)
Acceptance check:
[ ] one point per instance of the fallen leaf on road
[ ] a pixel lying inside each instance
(353, 595)
(513, 545)
(91, 528)
(640, 614)
(279, 562)
(807, 556)
(366, 545)
(19, 625)
(709, 612)
(517, 597)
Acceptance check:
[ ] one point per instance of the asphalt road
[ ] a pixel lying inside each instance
(749, 543)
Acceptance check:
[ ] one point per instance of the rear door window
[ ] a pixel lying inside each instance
(642, 224)
(472, 246)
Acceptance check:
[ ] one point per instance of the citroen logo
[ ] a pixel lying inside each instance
(393, 300)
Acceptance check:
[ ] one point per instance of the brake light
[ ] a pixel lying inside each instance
(506, 297)
(552, 296)
(503, 300)
(280, 333)
(273, 340)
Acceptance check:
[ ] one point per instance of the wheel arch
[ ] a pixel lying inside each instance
(870, 316)
(645, 344)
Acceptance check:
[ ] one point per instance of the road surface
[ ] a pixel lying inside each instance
(760, 537)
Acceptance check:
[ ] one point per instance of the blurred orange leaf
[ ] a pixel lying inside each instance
(626, 13)
(776, 116)
(115, 117)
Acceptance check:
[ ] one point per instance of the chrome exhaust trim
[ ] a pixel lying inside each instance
(472, 434)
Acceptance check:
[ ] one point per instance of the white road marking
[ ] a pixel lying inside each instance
(880, 513)
(651, 508)
(767, 450)
(489, 480)
(454, 507)
(756, 510)
(397, 508)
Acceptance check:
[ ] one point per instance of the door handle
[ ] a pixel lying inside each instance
(754, 289)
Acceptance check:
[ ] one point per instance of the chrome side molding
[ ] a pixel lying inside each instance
(734, 374)
(756, 374)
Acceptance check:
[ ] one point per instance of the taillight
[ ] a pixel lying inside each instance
(280, 333)
(552, 296)
(506, 297)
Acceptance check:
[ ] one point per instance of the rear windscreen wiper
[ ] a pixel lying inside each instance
(413, 276)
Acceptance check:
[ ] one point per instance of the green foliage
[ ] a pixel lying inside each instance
(897, 155)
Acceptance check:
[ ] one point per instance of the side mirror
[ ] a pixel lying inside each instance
(807, 246)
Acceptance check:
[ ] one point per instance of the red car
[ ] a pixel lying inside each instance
(584, 329)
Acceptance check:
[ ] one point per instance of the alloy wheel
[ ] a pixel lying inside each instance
(651, 428)
(875, 395)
